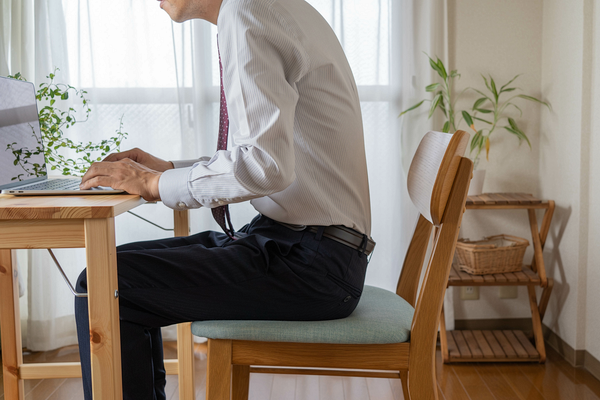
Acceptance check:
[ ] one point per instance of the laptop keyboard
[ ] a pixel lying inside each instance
(54, 184)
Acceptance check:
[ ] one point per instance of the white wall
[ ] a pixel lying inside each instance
(593, 261)
(502, 39)
(556, 44)
(562, 166)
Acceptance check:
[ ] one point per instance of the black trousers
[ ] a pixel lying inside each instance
(272, 273)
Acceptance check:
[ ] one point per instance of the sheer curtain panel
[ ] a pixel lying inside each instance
(161, 80)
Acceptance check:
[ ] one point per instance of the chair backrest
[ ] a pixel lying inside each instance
(438, 182)
(432, 172)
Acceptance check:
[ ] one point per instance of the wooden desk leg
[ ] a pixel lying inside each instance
(185, 340)
(536, 323)
(185, 357)
(103, 308)
(10, 322)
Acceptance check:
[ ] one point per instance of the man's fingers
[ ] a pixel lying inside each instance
(100, 180)
(105, 169)
(133, 154)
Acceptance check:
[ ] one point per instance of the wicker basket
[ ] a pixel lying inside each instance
(493, 255)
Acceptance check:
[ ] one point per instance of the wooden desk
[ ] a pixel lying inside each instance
(73, 222)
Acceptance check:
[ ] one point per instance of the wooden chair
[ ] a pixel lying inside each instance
(376, 335)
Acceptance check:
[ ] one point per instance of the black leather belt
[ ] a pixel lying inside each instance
(341, 234)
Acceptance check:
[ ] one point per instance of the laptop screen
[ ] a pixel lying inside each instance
(21, 148)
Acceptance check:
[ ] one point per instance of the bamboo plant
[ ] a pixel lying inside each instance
(490, 109)
(494, 108)
(444, 98)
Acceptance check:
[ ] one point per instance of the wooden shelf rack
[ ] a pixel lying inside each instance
(505, 345)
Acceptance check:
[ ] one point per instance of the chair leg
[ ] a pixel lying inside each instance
(218, 374)
(421, 378)
(421, 387)
(404, 380)
(443, 336)
(241, 382)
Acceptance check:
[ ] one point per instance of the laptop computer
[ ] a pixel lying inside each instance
(22, 162)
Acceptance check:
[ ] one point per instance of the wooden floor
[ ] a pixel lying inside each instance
(555, 380)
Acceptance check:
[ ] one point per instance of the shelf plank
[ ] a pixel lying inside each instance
(533, 353)
(506, 347)
(472, 343)
(516, 345)
(462, 344)
(483, 344)
(496, 348)
(452, 347)
(520, 278)
(490, 346)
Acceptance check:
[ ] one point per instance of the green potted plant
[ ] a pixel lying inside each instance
(489, 112)
(444, 98)
(54, 141)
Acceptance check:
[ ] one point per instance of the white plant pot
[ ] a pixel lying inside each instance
(476, 187)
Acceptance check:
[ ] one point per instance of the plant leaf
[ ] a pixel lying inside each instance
(435, 67)
(442, 68)
(483, 110)
(515, 106)
(468, 120)
(432, 87)
(494, 90)
(442, 106)
(411, 108)
(487, 148)
(481, 93)
(475, 140)
(530, 98)
(518, 133)
(446, 127)
(487, 83)
(479, 102)
(509, 82)
(482, 120)
(434, 103)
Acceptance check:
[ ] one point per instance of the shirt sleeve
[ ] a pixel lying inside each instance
(262, 61)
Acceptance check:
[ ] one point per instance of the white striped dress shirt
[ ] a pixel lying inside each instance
(296, 140)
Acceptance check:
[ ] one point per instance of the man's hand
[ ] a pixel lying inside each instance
(143, 158)
(125, 174)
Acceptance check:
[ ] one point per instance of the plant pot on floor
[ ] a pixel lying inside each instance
(476, 186)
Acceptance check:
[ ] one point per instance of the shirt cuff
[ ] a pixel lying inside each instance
(188, 163)
(173, 189)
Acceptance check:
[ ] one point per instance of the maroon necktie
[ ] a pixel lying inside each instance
(222, 212)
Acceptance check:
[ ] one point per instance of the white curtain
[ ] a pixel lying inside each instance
(162, 79)
(424, 31)
(32, 42)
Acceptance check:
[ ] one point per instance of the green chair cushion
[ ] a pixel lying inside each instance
(380, 317)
